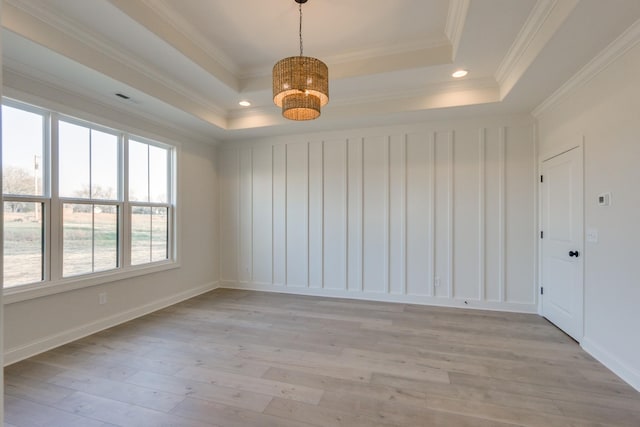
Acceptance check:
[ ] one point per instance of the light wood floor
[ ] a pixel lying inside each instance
(235, 358)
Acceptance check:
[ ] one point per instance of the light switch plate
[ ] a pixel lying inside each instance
(592, 235)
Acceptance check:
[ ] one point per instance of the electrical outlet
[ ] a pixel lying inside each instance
(436, 281)
(102, 298)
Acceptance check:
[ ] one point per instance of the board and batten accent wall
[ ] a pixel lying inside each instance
(415, 214)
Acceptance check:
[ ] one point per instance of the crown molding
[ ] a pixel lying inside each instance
(20, 82)
(429, 52)
(98, 43)
(181, 25)
(440, 95)
(427, 90)
(156, 84)
(171, 30)
(439, 54)
(545, 19)
(528, 32)
(456, 18)
(625, 42)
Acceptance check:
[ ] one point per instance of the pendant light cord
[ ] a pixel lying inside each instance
(300, 29)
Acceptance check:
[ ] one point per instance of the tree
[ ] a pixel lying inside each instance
(20, 181)
(97, 193)
(17, 181)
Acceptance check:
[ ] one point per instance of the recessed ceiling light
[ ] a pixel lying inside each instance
(245, 103)
(459, 74)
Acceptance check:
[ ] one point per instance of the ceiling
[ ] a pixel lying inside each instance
(188, 63)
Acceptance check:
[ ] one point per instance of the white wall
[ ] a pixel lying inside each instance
(605, 112)
(36, 325)
(379, 213)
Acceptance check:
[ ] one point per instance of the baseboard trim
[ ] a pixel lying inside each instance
(17, 354)
(385, 297)
(618, 367)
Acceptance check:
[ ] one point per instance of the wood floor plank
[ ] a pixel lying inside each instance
(402, 414)
(320, 416)
(34, 390)
(332, 385)
(122, 414)
(30, 368)
(242, 358)
(557, 393)
(116, 390)
(229, 416)
(219, 394)
(21, 412)
(59, 358)
(257, 385)
(466, 393)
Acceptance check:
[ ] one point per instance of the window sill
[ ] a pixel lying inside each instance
(38, 290)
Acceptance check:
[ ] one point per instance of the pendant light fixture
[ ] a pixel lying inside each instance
(300, 83)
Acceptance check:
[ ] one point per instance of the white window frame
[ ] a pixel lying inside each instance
(45, 198)
(53, 280)
(170, 205)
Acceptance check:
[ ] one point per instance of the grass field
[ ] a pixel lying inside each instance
(89, 244)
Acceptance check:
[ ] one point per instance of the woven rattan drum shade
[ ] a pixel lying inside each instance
(300, 87)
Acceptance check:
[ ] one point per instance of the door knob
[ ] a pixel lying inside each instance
(574, 254)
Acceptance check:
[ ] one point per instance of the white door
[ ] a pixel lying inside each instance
(562, 266)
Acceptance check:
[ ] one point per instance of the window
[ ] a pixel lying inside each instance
(149, 195)
(88, 187)
(71, 206)
(25, 201)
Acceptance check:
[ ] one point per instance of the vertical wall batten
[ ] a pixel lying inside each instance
(322, 224)
(362, 201)
(482, 142)
(536, 216)
(251, 273)
(432, 212)
(502, 227)
(286, 222)
(238, 219)
(388, 221)
(450, 200)
(346, 217)
(387, 210)
(308, 231)
(273, 217)
(403, 226)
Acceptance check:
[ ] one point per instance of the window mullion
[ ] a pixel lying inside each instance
(148, 173)
(45, 164)
(93, 238)
(90, 165)
(126, 206)
(55, 211)
(174, 237)
(150, 234)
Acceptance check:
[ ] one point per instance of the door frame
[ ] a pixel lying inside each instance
(578, 144)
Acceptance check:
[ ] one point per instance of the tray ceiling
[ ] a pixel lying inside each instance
(190, 62)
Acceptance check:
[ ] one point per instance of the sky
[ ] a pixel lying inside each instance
(86, 155)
